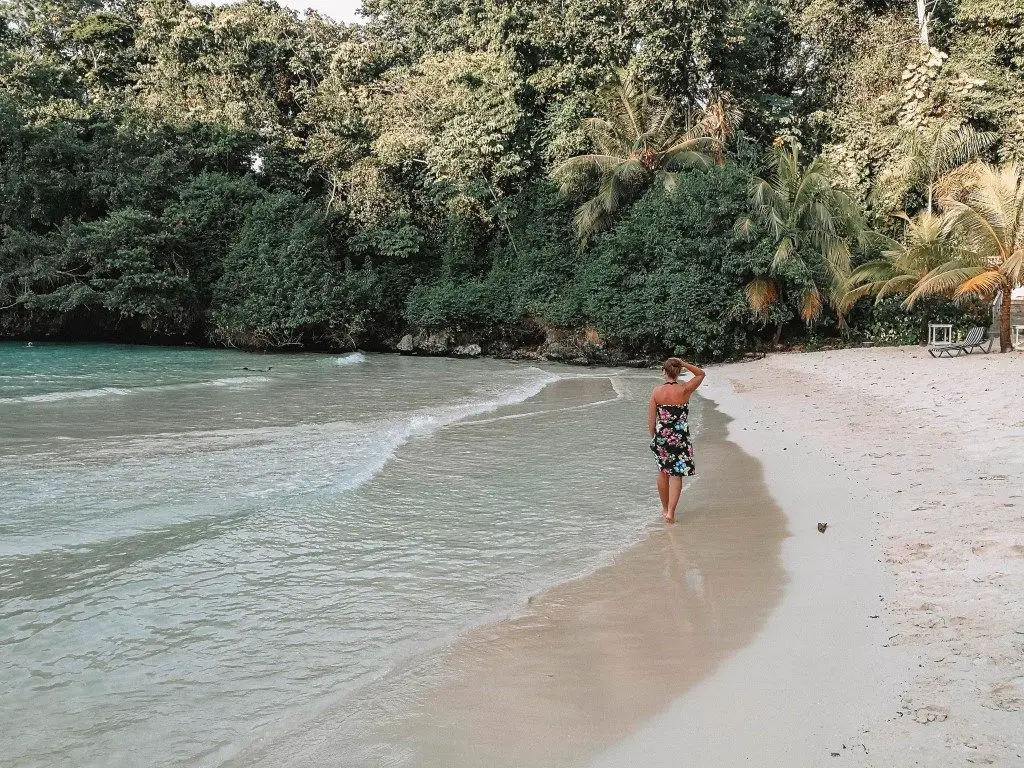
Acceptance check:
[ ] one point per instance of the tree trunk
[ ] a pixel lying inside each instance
(778, 335)
(1005, 307)
(922, 22)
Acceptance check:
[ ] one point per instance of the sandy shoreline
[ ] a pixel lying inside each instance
(936, 449)
(590, 660)
(819, 678)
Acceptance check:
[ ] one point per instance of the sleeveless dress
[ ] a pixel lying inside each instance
(671, 443)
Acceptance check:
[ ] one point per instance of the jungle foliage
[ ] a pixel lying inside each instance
(694, 177)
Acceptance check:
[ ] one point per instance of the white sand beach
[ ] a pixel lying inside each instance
(900, 640)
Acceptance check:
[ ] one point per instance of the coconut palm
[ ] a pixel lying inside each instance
(929, 157)
(984, 219)
(720, 119)
(811, 222)
(901, 265)
(636, 142)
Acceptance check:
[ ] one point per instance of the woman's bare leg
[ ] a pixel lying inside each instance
(675, 488)
(663, 492)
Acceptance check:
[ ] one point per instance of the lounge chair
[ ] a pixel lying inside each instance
(975, 340)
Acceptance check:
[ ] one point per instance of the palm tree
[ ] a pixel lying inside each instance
(902, 265)
(984, 219)
(636, 142)
(811, 222)
(927, 158)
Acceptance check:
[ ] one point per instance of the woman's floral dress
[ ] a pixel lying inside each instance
(671, 443)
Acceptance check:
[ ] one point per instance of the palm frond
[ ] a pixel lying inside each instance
(783, 252)
(631, 173)
(614, 192)
(931, 161)
(811, 306)
(983, 285)
(661, 123)
(584, 163)
(882, 242)
(975, 226)
(898, 284)
(852, 295)
(1013, 267)
(871, 272)
(682, 158)
(744, 227)
(592, 217)
(761, 294)
(837, 256)
(943, 281)
(956, 145)
(629, 98)
(698, 143)
(849, 212)
(770, 206)
(606, 137)
(953, 184)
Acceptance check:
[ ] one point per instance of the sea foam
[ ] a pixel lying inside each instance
(55, 397)
(353, 358)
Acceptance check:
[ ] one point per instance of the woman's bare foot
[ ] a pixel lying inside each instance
(668, 518)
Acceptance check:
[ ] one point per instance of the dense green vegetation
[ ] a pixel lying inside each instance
(695, 177)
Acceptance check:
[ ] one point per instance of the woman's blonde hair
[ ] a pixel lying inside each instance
(672, 367)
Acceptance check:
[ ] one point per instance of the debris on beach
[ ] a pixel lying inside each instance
(928, 715)
(822, 527)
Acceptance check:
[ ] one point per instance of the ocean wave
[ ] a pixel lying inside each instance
(52, 397)
(620, 394)
(230, 381)
(353, 358)
(55, 397)
(227, 470)
(386, 441)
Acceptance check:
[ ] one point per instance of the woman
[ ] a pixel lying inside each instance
(670, 434)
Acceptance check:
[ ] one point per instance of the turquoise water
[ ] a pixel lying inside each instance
(196, 558)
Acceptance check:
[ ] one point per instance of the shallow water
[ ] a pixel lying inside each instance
(195, 557)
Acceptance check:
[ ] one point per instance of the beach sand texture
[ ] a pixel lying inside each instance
(936, 447)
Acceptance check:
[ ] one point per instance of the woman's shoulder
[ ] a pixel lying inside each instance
(660, 393)
(669, 395)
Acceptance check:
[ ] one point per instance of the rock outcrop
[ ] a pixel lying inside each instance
(574, 346)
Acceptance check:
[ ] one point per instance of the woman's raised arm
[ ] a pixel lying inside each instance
(698, 376)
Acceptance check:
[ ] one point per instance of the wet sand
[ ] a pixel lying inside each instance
(590, 660)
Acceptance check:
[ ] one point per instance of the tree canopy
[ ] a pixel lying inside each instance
(244, 174)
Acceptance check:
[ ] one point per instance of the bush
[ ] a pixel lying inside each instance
(522, 272)
(890, 324)
(670, 276)
(281, 284)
